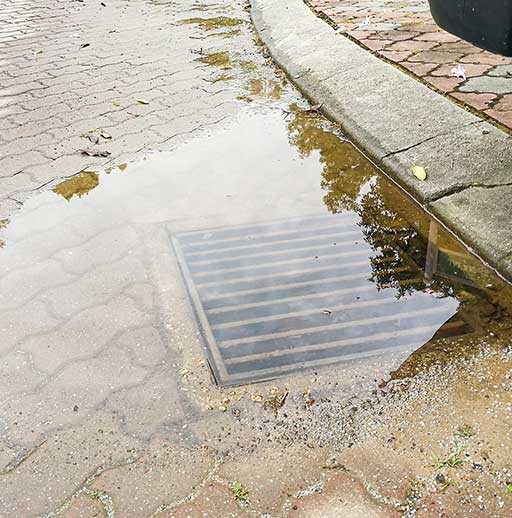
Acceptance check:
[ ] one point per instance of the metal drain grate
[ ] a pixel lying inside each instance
(277, 297)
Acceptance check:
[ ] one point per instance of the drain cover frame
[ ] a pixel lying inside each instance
(217, 360)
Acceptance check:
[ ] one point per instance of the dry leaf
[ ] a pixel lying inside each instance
(419, 172)
(142, 101)
(313, 110)
(458, 71)
(94, 152)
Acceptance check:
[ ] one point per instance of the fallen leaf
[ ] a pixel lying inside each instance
(94, 152)
(419, 172)
(142, 101)
(364, 23)
(115, 103)
(458, 71)
(40, 51)
(313, 110)
(122, 167)
(276, 400)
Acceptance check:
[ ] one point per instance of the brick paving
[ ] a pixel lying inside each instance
(403, 32)
(68, 68)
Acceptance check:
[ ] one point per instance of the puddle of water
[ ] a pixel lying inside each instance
(219, 26)
(211, 24)
(217, 59)
(265, 88)
(79, 185)
(221, 78)
(227, 34)
(314, 257)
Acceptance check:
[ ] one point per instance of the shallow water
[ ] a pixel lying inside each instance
(295, 250)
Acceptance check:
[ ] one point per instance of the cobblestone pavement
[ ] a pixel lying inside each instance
(404, 33)
(107, 406)
(70, 69)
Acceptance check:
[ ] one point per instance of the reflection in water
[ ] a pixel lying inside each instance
(226, 26)
(217, 59)
(265, 88)
(83, 183)
(370, 275)
(401, 236)
(210, 24)
(278, 296)
(78, 185)
(345, 170)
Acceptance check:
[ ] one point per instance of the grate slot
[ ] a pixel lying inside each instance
(276, 297)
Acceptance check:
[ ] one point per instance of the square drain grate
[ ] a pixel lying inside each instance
(277, 297)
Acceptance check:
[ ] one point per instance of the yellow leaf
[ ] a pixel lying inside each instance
(419, 172)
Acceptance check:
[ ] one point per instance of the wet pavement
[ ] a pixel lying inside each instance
(260, 246)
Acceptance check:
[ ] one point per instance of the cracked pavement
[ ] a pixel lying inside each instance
(107, 405)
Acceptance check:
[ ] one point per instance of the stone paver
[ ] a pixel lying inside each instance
(404, 33)
(70, 69)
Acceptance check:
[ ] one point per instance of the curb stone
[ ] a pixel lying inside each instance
(399, 122)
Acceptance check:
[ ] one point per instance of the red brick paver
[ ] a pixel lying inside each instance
(403, 32)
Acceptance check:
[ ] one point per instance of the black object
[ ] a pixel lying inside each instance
(484, 23)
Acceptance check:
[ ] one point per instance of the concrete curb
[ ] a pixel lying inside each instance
(400, 122)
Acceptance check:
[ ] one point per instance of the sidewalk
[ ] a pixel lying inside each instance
(403, 32)
(70, 70)
(107, 403)
(400, 122)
